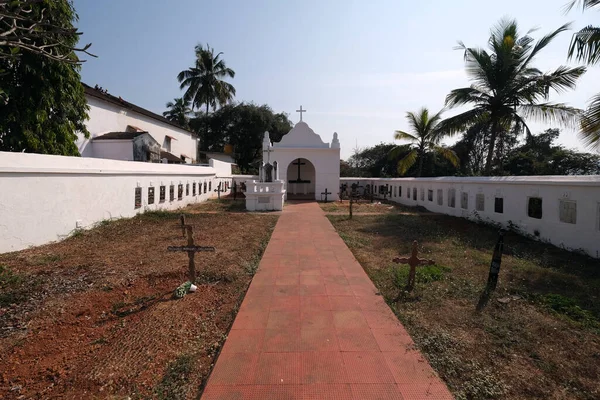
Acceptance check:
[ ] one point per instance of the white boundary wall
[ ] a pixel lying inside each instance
(44, 198)
(570, 205)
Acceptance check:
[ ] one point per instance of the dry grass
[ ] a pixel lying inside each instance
(93, 316)
(544, 344)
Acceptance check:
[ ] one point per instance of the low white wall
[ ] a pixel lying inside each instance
(44, 198)
(570, 205)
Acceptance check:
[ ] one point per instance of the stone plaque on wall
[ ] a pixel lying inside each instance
(480, 202)
(193, 188)
(440, 197)
(151, 195)
(567, 211)
(171, 192)
(180, 191)
(162, 194)
(464, 200)
(452, 198)
(263, 200)
(430, 194)
(138, 197)
(187, 189)
(499, 205)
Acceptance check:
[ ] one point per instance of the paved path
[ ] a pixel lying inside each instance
(312, 327)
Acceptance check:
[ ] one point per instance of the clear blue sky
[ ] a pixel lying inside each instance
(356, 66)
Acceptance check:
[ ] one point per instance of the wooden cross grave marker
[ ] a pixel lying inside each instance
(219, 190)
(353, 194)
(325, 193)
(413, 261)
(191, 249)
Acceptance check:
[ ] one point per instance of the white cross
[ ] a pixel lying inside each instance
(300, 111)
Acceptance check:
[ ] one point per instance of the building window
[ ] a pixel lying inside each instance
(399, 191)
(440, 197)
(464, 200)
(480, 202)
(162, 194)
(430, 194)
(568, 211)
(171, 192)
(187, 189)
(415, 194)
(534, 207)
(452, 198)
(151, 195)
(499, 205)
(138, 197)
(193, 188)
(408, 193)
(422, 194)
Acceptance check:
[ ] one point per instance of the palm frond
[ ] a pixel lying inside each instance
(584, 4)
(562, 79)
(545, 41)
(448, 154)
(585, 45)
(459, 123)
(401, 135)
(407, 162)
(463, 96)
(590, 124)
(552, 113)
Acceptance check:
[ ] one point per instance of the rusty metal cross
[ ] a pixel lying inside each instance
(413, 261)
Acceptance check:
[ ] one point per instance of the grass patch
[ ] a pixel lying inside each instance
(173, 385)
(12, 287)
(543, 342)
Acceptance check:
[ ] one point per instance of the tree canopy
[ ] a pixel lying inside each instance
(242, 126)
(45, 102)
(178, 111)
(585, 46)
(425, 138)
(506, 88)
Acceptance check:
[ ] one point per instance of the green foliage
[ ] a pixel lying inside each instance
(204, 81)
(173, 385)
(11, 287)
(45, 102)
(425, 138)
(567, 306)
(538, 156)
(506, 88)
(424, 274)
(243, 126)
(178, 111)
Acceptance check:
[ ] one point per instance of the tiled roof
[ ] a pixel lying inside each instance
(119, 135)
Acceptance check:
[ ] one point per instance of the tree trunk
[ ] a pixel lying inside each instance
(490, 155)
(206, 128)
(421, 156)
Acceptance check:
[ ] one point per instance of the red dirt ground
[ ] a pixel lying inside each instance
(93, 316)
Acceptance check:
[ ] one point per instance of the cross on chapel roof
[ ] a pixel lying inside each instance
(300, 111)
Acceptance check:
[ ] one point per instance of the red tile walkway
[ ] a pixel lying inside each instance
(312, 327)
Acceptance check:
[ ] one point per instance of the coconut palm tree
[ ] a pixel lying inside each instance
(205, 80)
(585, 46)
(178, 111)
(506, 88)
(425, 138)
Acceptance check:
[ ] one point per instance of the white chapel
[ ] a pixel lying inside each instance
(307, 166)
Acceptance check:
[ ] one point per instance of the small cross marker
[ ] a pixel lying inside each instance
(300, 111)
(413, 261)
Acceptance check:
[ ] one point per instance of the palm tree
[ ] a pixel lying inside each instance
(178, 111)
(426, 138)
(204, 81)
(585, 47)
(506, 88)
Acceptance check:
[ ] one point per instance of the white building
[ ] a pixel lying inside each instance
(308, 166)
(120, 130)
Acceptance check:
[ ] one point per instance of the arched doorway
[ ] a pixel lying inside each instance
(301, 180)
